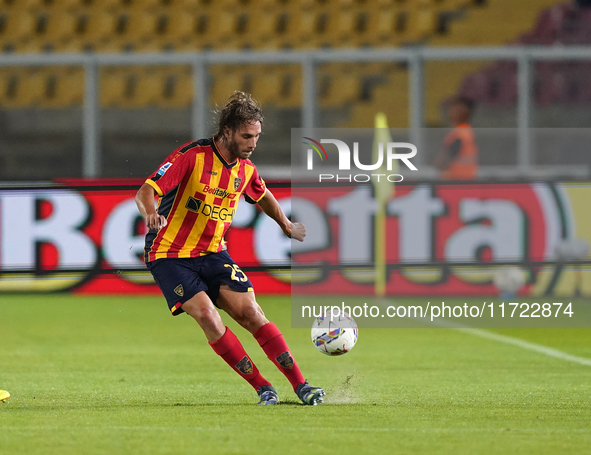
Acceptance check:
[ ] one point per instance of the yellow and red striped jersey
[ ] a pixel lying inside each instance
(199, 192)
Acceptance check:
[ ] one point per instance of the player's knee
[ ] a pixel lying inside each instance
(250, 312)
(202, 314)
(251, 315)
(206, 316)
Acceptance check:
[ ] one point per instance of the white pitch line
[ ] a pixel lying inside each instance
(550, 352)
(372, 429)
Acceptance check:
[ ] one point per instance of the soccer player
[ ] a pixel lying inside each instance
(199, 186)
(458, 157)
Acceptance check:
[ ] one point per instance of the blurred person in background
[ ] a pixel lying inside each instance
(458, 157)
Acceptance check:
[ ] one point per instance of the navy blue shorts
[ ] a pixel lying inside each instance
(180, 279)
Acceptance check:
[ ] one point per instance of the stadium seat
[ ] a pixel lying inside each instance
(181, 30)
(221, 30)
(442, 80)
(266, 84)
(346, 27)
(305, 29)
(106, 5)
(290, 94)
(138, 31)
(488, 25)
(150, 5)
(32, 87)
(341, 85)
(390, 97)
(381, 27)
(61, 25)
(24, 5)
(9, 79)
(16, 30)
(113, 85)
(224, 80)
(421, 21)
(144, 87)
(177, 90)
(95, 30)
(61, 5)
(264, 29)
(63, 87)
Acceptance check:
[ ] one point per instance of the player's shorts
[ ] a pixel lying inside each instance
(180, 279)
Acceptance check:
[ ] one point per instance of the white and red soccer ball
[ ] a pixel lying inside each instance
(334, 334)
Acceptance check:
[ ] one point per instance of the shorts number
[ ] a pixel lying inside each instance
(235, 269)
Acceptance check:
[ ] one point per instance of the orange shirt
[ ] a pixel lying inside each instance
(199, 193)
(464, 166)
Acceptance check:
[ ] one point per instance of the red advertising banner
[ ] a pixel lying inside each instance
(429, 228)
(88, 237)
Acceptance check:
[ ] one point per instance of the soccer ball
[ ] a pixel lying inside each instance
(509, 279)
(334, 334)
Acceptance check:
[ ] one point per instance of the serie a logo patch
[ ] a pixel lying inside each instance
(163, 169)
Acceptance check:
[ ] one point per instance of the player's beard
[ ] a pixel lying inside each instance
(235, 152)
(233, 149)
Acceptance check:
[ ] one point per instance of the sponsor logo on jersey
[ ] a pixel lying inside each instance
(244, 366)
(215, 212)
(218, 192)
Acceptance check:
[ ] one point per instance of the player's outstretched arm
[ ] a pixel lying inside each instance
(271, 207)
(144, 200)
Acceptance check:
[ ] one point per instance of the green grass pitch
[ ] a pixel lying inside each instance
(95, 375)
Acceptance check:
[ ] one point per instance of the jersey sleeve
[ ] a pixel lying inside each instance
(255, 188)
(170, 173)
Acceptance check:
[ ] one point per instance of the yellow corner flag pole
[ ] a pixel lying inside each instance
(383, 190)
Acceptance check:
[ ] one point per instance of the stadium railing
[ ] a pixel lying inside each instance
(414, 57)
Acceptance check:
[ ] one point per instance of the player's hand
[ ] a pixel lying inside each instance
(297, 232)
(155, 221)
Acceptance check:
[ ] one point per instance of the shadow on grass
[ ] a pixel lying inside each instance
(110, 405)
(113, 405)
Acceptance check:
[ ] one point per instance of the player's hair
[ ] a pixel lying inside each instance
(240, 108)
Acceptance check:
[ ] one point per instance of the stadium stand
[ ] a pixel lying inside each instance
(562, 82)
(165, 25)
(347, 94)
(477, 23)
